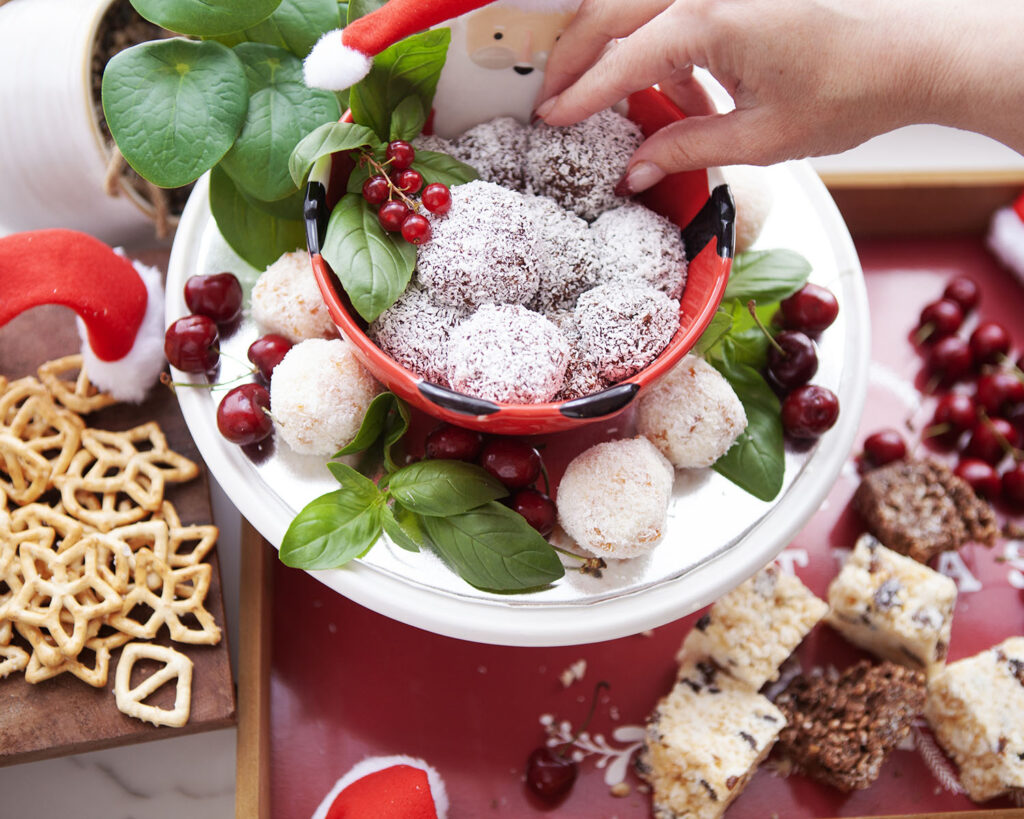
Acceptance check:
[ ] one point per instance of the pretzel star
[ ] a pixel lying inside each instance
(28, 413)
(14, 658)
(189, 545)
(36, 671)
(24, 473)
(66, 380)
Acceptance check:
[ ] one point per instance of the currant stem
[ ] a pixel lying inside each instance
(752, 307)
(393, 190)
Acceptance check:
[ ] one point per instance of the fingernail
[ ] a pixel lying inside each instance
(640, 177)
(542, 110)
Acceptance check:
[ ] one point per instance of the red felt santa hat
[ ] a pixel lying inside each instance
(386, 787)
(1006, 236)
(343, 57)
(119, 303)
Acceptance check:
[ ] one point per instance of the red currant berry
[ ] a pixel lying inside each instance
(190, 344)
(401, 154)
(267, 351)
(991, 439)
(416, 229)
(392, 214)
(1013, 484)
(376, 189)
(809, 411)
(512, 462)
(989, 342)
(999, 391)
(963, 291)
(811, 309)
(408, 181)
(981, 476)
(550, 774)
(950, 359)
(796, 363)
(939, 319)
(537, 508)
(453, 443)
(437, 198)
(242, 415)
(217, 296)
(883, 447)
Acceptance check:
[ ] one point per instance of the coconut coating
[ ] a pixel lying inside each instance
(613, 498)
(624, 327)
(319, 393)
(483, 251)
(414, 331)
(692, 415)
(567, 257)
(639, 245)
(581, 375)
(287, 301)
(496, 149)
(578, 165)
(432, 142)
(506, 353)
(752, 196)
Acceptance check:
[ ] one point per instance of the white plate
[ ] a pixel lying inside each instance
(717, 535)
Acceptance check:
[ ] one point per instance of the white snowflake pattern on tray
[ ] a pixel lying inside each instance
(614, 760)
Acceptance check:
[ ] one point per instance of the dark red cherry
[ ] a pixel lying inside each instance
(883, 447)
(1013, 484)
(963, 291)
(810, 309)
(267, 351)
(796, 363)
(955, 413)
(989, 343)
(450, 442)
(981, 476)
(217, 296)
(809, 411)
(537, 508)
(950, 359)
(939, 319)
(190, 344)
(991, 439)
(549, 774)
(999, 391)
(242, 415)
(511, 461)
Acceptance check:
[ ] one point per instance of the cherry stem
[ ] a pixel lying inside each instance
(167, 381)
(937, 429)
(601, 685)
(567, 553)
(393, 189)
(1014, 369)
(1010, 449)
(752, 307)
(547, 479)
(923, 332)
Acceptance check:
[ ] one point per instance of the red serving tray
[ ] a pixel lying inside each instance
(345, 683)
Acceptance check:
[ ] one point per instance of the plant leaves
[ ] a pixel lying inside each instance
(359, 8)
(373, 266)
(767, 275)
(295, 26)
(494, 549)
(399, 531)
(282, 110)
(439, 488)
(329, 138)
(407, 119)
(748, 347)
(438, 167)
(721, 323)
(335, 527)
(410, 67)
(202, 18)
(255, 235)
(174, 107)
(372, 425)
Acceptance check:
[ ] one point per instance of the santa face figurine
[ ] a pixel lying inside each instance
(495, 60)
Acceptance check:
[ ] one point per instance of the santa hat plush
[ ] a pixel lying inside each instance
(119, 303)
(1006, 236)
(343, 57)
(387, 787)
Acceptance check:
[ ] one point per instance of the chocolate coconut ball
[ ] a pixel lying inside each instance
(506, 353)
(578, 166)
(624, 327)
(483, 251)
(640, 246)
(567, 257)
(496, 149)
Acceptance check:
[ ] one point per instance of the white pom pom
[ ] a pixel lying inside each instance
(333, 65)
(1006, 240)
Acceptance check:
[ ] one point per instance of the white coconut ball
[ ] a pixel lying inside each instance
(613, 498)
(287, 301)
(752, 196)
(319, 394)
(691, 415)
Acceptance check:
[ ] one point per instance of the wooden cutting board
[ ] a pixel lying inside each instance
(64, 715)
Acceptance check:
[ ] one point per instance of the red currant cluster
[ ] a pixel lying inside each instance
(392, 188)
(515, 463)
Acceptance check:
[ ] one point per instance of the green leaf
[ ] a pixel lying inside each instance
(748, 347)
(398, 531)
(295, 26)
(359, 8)
(438, 167)
(374, 422)
(721, 323)
(410, 67)
(174, 107)
(329, 138)
(255, 235)
(289, 208)
(756, 462)
(494, 549)
(407, 119)
(439, 488)
(373, 266)
(767, 275)
(203, 18)
(282, 110)
(335, 527)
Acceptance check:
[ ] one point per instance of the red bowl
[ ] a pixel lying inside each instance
(698, 201)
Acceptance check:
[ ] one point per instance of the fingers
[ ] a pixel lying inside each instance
(596, 24)
(687, 92)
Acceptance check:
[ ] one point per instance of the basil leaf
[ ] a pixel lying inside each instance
(289, 208)
(203, 18)
(438, 167)
(295, 26)
(358, 8)
(373, 266)
(329, 138)
(398, 531)
(174, 107)
(756, 462)
(255, 235)
(767, 275)
(409, 67)
(335, 527)
(396, 425)
(721, 323)
(407, 119)
(437, 488)
(371, 427)
(494, 549)
(748, 347)
(282, 110)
